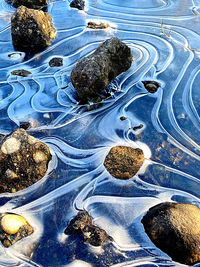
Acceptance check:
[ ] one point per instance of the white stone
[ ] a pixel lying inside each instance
(10, 146)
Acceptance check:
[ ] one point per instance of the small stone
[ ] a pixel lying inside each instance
(35, 4)
(11, 223)
(79, 4)
(92, 234)
(151, 86)
(23, 73)
(138, 127)
(78, 223)
(123, 162)
(11, 145)
(23, 161)
(97, 26)
(175, 229)
(92, 74)
(95, 236)
(123, 118)
(28, 33)
(13, 228)
(56, 62)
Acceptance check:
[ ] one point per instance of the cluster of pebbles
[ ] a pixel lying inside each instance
(172, 227)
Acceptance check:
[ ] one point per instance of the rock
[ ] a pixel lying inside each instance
(23, 73)
(23, 161)
(135, 128)
(123, 118)
(93, 74)
(35, 4)
(151, 86)
(13, 228)
(123, 162)
(32, 30)
(175, 229)
(56, 62)
(79, 4)
(92, 234)
(96, 26)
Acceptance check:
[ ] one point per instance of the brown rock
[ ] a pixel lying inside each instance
(32, 30)
(23, 161)
(97, 26)
(123, 162)
(92, 234)
(175, 229)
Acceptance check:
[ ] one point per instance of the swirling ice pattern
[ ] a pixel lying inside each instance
(165, 42)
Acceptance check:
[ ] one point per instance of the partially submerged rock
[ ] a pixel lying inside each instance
(123, 162)
(175, 229)
(151, 86)
(32, 30)
(35, 4)
(23, 161)
(93, 74)
(92, 234)
(79, 4)
(22, 73)
(13, 228)
(56, 62)
(96, 26)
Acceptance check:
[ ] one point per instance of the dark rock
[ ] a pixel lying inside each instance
(93, 74)
(23, 161)
(138, 127)
(92, 234)
(123, 118)
(25, 125)
(123, 162)
(35, 4)
(151, 86)
(79, 4)
(13, 228)
(32, 30)
(78, 223)
(23, 73)
(97, 26)
(56, 62)
(175, 229)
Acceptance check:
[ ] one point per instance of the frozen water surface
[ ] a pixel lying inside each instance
(164, 38)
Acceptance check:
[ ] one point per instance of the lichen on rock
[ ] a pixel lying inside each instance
(32, 30)
(23, 161)
(93, 74)
(175, 229)
(123, 162)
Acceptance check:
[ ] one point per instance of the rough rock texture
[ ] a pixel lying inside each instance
(175, 229)
(92, 234)
(151, 86)
(23, 161)
(79, 4)
(32, 30)
(8, 239)
(35, 4)
(96, 26)
(56, 62)
(22, 73)
(123, 162)
(93, 74)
